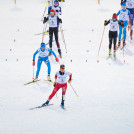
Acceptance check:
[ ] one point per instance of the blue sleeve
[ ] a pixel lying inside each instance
(35, 55)
(49, 8)
(60, 11)
(52, 52)
(118, 13)
(129, 13)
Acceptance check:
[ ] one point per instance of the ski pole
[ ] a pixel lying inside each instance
(101, 43)
(74, 90)
(62, 34)
(47, 4)
(33, 72)
(44, 30)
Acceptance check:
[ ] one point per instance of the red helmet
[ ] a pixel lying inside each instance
(115, 15)
(52, 11)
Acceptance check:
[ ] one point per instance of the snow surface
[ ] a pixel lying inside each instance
(106, 89)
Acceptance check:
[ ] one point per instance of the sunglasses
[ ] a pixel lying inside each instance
(62, 68)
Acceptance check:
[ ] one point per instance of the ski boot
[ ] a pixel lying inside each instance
(48, 77)
(114, 54)
(131, 34)
(124, 43)
(45, 104)
(59, 51)
(110, 52)
(36, 78)
(119, 43)
(62, 104)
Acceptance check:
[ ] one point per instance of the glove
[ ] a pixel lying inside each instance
(131, 15)
(105, 22)
(33, 63)
(60, 20)
(57, 59)
(70, 80)
(45, 20)
(54, 84)
(57, 11)
(122, 25)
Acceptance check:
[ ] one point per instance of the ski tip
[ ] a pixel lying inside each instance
(77, 95)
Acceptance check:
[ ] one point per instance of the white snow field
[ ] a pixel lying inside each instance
(106, 89)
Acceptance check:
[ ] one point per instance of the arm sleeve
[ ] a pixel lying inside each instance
(118, 13)
(129, 13)
(55, 77)
(60, 12)
(52, 52)
(49, 8)
(34, 55)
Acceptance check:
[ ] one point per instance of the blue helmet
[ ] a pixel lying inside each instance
(123, 5)
(43, 44)
(62, 66)
(56, 2)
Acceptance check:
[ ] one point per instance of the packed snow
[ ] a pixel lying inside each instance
(106, 88)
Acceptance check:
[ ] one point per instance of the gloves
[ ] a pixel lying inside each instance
(105, 22)
(33, 63)
(57, 59)
(131, 15)
(122, 25)
(60, 20)
(54, 84)
(57, 11)
(70, 80)
(45, 20)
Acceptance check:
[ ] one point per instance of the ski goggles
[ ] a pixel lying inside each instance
(51, 12)
(62, 68)
(56, 3)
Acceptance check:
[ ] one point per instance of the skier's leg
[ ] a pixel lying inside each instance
(49, 69)
(57, 87)
(50, 37)
(56, 39)
(64, 89)
(120, 32)
(110, 42)
(38, 67)
(48, 66)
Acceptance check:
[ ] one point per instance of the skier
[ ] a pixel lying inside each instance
(52, 2)
(124, 16)
(53, 28)
(130, 7)
(60, 82)
(113, 32)
(123, 1)
(43, 56)
(57, 9)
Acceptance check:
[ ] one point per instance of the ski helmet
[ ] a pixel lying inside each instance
(115, 16)
(52, 11)
(62, 66)
(43, 44)
(123, 5)
(56, 2)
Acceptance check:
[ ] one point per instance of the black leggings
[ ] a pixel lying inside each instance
(112, 38)
(55, 31)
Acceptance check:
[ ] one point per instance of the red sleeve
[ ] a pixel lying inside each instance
(55, 78)
(70, 76)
